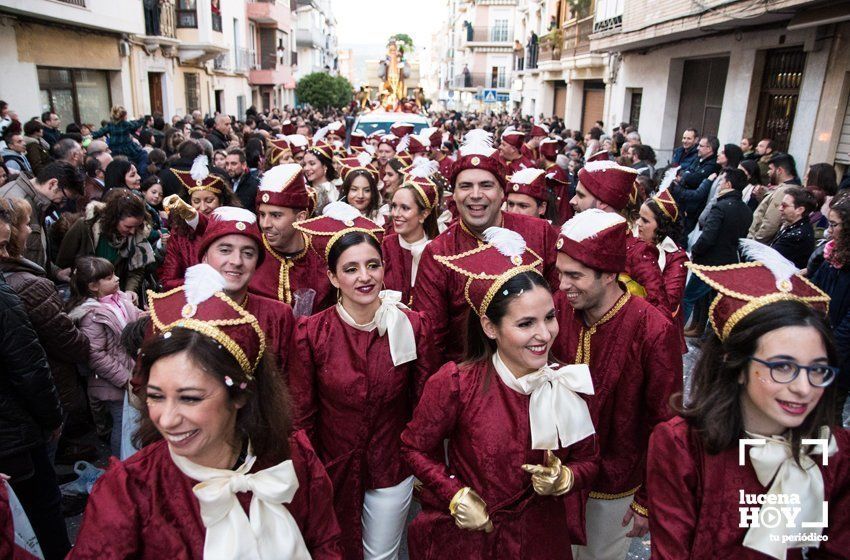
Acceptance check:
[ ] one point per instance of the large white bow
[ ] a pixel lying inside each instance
(774, 461)
(389, 319)
(269, 531)
(555, 411)
(667, 245)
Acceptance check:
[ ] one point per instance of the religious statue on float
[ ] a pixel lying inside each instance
(393, 70)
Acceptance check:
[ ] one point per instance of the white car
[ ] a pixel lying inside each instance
(382, 120)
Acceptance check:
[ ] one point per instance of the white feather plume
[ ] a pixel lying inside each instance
(335, 126)
(478, 136)
(278, 176)
(562, 161)
(200, 168)
(369, 148)
(234, 214)
(423, 167)
(526, 176)
(364, 159)
(589, 223)
(427, 132)
(607, 164)
(320, 134)
(508, 242)
(202, 282)
(339, 210)
(782, 268)
(669, 177)
(403, 144)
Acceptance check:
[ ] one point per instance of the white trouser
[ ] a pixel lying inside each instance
(606, 536)
(384, 517)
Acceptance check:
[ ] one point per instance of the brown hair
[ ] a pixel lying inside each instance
(119, 204)
(118, 113)
(665, 227)
(85, 271)
(713, 409)
(430, 225)
(266, 417)
(375, 196)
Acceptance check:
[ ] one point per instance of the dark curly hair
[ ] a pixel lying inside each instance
(119, 204)
(666, 226)
(375, 196)
(841, 250)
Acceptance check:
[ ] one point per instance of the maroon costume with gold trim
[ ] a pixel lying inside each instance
(181, 252)
(675, 276)
(634, 359)
(439, 291)
(279, 277)
(642, 267)
(398, 267)
(694, 498)
(144, 508)
(559, 182)
(487, 425)
(354, 403)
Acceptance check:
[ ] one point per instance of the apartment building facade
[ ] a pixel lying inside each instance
(733, 69)
(315, 38)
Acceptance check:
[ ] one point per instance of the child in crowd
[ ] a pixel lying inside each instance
(102, 311)
(121, 140)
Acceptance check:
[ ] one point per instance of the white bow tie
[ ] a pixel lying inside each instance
(774, 461)
(269, 531)
(389, 318)
(556, 413)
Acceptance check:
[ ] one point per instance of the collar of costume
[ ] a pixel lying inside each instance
(773, 460)
(556, 412)
(388, 319)
(416, 248)
(268, 531)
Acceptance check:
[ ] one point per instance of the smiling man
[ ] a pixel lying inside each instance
(633, 353)
(233, 246)
(291, 266)
(478, 178)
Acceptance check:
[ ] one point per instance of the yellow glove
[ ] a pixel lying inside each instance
(173, 203)
(470, 511)
(552, 480)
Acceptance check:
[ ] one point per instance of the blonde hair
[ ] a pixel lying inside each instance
(19, 210)
(118, 113)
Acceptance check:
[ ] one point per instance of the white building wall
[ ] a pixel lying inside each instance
(19, 86)
(659, 74)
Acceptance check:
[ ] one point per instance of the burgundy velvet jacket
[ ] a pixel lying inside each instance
(279, 276)
(181, 252)
(277, 323)
(489, 434)
(446, 165)
(521, 162)
(144, 508)
(674, 276)
(354, 404)
(439, 290)
(559, 182)
(642, 266)
(398, 267)
(636, 366)
(694, 498)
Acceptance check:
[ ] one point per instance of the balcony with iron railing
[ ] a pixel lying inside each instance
(480, 80)
(569, 42)
(237, 61)
(268, 68)
(160, 20)
(487, 36)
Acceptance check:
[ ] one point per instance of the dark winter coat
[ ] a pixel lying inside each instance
(246, 189)
(29, 405)
(796, 242)
(684, 158)
(727, 222)
(699, 171)
(64, 344)
(836, 283)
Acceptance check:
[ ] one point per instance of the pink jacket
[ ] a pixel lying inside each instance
(111, 367)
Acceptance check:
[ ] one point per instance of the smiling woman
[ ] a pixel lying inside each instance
(223, 422)
(361, 364)
(512, 472)
(765, 377)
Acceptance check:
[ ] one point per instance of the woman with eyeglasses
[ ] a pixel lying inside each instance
(762, 389)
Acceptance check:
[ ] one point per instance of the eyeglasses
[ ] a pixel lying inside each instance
(786, 371)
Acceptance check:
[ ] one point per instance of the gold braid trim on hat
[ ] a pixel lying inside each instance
(447, 262)
(585, 335)
(197, 188)
(497, 285)
(660, 205)
(210, 329)
(429, 204)
(338, 235)
(284, 287)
